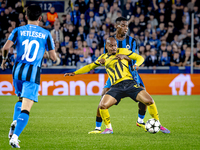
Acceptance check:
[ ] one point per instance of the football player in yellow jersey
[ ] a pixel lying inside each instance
(123, 84)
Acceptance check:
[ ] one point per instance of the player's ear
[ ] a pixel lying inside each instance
(106, 45)
(26, 17)
(40, 18)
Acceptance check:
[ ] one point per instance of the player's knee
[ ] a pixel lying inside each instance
(103, 106)
(149, 101)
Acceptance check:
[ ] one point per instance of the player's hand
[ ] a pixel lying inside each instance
(3, 64)
(102, 61)
(69, 74)
(120, 56)
(135, 67)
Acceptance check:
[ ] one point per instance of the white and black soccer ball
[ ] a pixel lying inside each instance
(153, 125)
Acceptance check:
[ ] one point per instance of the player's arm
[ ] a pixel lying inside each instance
(83, 70)
(88, 68)
(52, 55)
(51, 48)
(5, 51)
(121, 56)
(139, 59)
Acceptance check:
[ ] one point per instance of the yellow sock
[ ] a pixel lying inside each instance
(105, 117)
(153, 111)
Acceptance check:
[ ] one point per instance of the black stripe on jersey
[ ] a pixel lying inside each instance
(49, 43)
(113, 71)
(120, 64)
(28, 76)
(15, 36)
(110, 77)
(127, 40)
(96, 64)
(20, 71)
(15, 68)
(132, 43)
(118, 72)
(120, 44)
(37, 78)
(125, 65)
(130, 54)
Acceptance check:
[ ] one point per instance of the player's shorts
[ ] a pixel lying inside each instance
(126, 88)
(26, 89)
(108, 83)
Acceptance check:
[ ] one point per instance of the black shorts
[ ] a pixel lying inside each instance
(126, 88)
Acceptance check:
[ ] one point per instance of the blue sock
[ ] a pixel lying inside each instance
(98, 121)
(98, 124)
(141, 116)
(17, 110)
(22, 121)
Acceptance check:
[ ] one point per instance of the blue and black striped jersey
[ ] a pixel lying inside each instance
(31, 42)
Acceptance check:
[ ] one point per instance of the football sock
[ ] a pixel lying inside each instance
(17, 110)
(22, 121)
(141, 115)
(106, 117)
(153, 111)
(98, 123)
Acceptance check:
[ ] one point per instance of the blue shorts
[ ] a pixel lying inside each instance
(26, 89)
(139, 81)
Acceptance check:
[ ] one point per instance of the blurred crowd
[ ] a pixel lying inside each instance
(162, 29)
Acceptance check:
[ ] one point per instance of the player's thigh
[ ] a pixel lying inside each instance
(107, 101)
(18, 87)
(27, 104)
(104, 91)
(30, 91)
(144, 97)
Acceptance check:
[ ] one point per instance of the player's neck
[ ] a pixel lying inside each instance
(33, 22)
(120, 37)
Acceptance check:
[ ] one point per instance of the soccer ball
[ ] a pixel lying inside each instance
(153, 126)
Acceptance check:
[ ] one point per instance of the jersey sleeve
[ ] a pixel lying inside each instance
(139, 59)
(13, 35)
(99, 58)
(90, 67)
(86, 68)
(50, 43)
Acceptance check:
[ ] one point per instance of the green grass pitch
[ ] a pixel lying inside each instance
(63, 122)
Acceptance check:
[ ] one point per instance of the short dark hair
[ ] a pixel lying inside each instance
(33, 12)
(119, 19)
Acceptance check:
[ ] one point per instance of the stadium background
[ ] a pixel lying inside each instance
(162, 29)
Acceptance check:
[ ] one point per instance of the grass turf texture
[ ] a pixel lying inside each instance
(63, 122)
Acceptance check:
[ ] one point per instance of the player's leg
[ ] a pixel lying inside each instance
(106, 102)
(98, 116)
(29, 94)
(142, 107)
(145, 98)
(17, 110)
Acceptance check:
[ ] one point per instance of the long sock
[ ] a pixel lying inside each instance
(106, 117)
(141, 115)
(98, 123)
(22, 121)
(153, 111)
(17, 110)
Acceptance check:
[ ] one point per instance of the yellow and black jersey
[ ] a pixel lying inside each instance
(118, 70)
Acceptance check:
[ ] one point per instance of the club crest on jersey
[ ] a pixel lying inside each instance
(128, 46)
